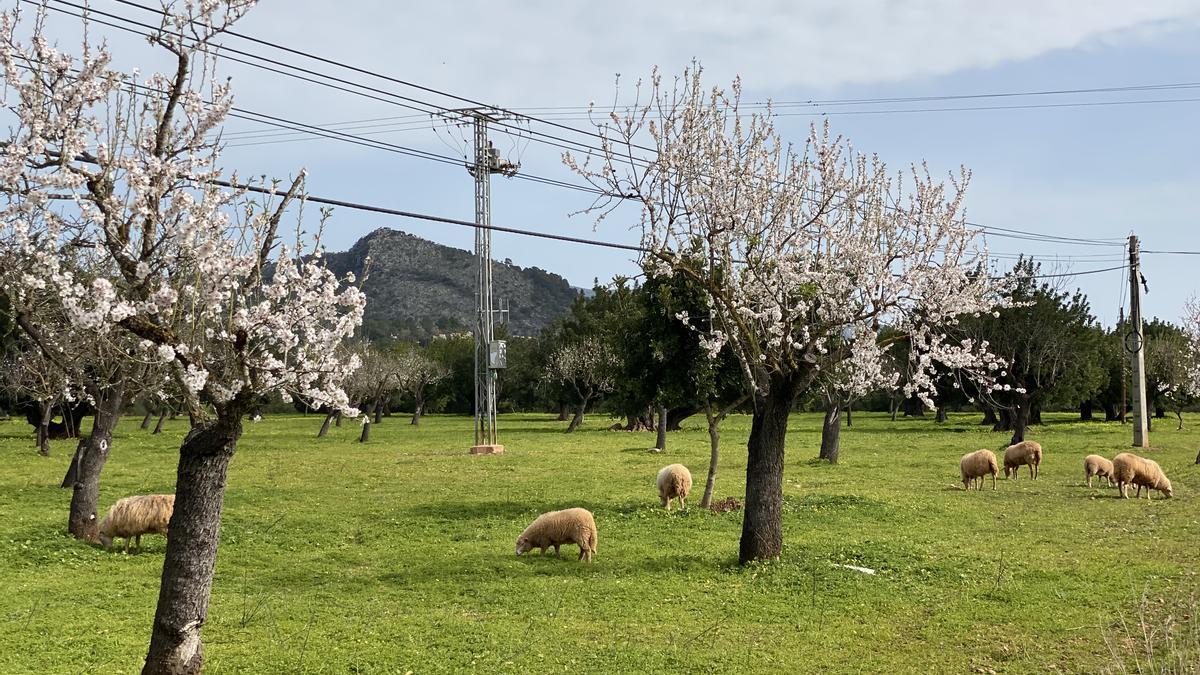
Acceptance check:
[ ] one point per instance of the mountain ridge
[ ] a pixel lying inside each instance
(418, 288)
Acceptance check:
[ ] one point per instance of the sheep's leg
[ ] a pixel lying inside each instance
(138, 543)
(682, 503)
(1089, 478)
(556, 553)
(127, 539)
(993, 481)
(544, 548)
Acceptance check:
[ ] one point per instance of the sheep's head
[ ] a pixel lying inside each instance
(523, 545)
(105, 541)
(1165, 487)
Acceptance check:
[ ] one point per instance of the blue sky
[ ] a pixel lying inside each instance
(1092, 172)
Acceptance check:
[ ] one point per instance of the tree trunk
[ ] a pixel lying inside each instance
(762, 523)
(325, 424)
(149, 417)
(366, 427)
(1085, 411)
(913, 407)
(1160, 412)
(43, 430)
(1020, 422)
(1179, 414)
(1035, 415)
(714, 444)
(848, 411)
(578, 418)
(337, 421)
(831, 432)
(1198, 457)
(563, 416)
(940, 414)
(90, 457)
(418, 404)
(989, 417)
(378, 410)
(159, 425)
(1004, 420)
(894, 407)
(1110, 413)
(195, 529)
(676, 416)
(660, 442)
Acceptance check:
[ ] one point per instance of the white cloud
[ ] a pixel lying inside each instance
(567, 52)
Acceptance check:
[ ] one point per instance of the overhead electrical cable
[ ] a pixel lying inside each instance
(412, 103)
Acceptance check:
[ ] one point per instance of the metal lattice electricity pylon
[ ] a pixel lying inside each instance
(489, 354)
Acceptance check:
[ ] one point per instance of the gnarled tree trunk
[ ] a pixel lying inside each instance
(831, 431)
(578, 418)
(940, 414)
(45, 414)
(158, 426)
(325, 424)
(1020, 422)
(563, 413)
(90, 457)
(762, 523)
(660, 442)
(418, 405)
(175, 646)
(1085, 411)
(147, 419)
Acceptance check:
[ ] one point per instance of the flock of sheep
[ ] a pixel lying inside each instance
(132, 517)
(1124, 470)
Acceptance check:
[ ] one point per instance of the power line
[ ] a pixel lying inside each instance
(411, 102)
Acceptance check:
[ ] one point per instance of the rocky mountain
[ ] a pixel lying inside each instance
(417, 288)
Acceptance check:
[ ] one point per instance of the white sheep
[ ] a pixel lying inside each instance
(1129, 469)
(134, 516)
(569, 526)
(674, 481)
(975, 465)
(1025, 452)
(1095, 465)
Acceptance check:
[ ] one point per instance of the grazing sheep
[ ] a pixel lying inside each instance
(1129, 469)
(674, 481)
(569, 526)
(1095, 465)
(976, 465)
(134, 516)
(1025, 452)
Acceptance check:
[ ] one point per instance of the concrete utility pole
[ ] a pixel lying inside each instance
(489, 353)
(1135, 345)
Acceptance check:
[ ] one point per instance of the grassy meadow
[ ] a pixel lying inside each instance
(397, 555)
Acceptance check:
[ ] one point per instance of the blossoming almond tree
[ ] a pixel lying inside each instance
(125, 167)
(587, 367)
(1190, 387)
(793, 246)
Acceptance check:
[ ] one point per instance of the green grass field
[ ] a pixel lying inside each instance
(397, 555)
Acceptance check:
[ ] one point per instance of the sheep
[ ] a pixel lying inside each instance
(1095, 465)
(674, 481)
(569, 526)
(134, 516)
(975, 465)
(1025, 452)
(1129, 469)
